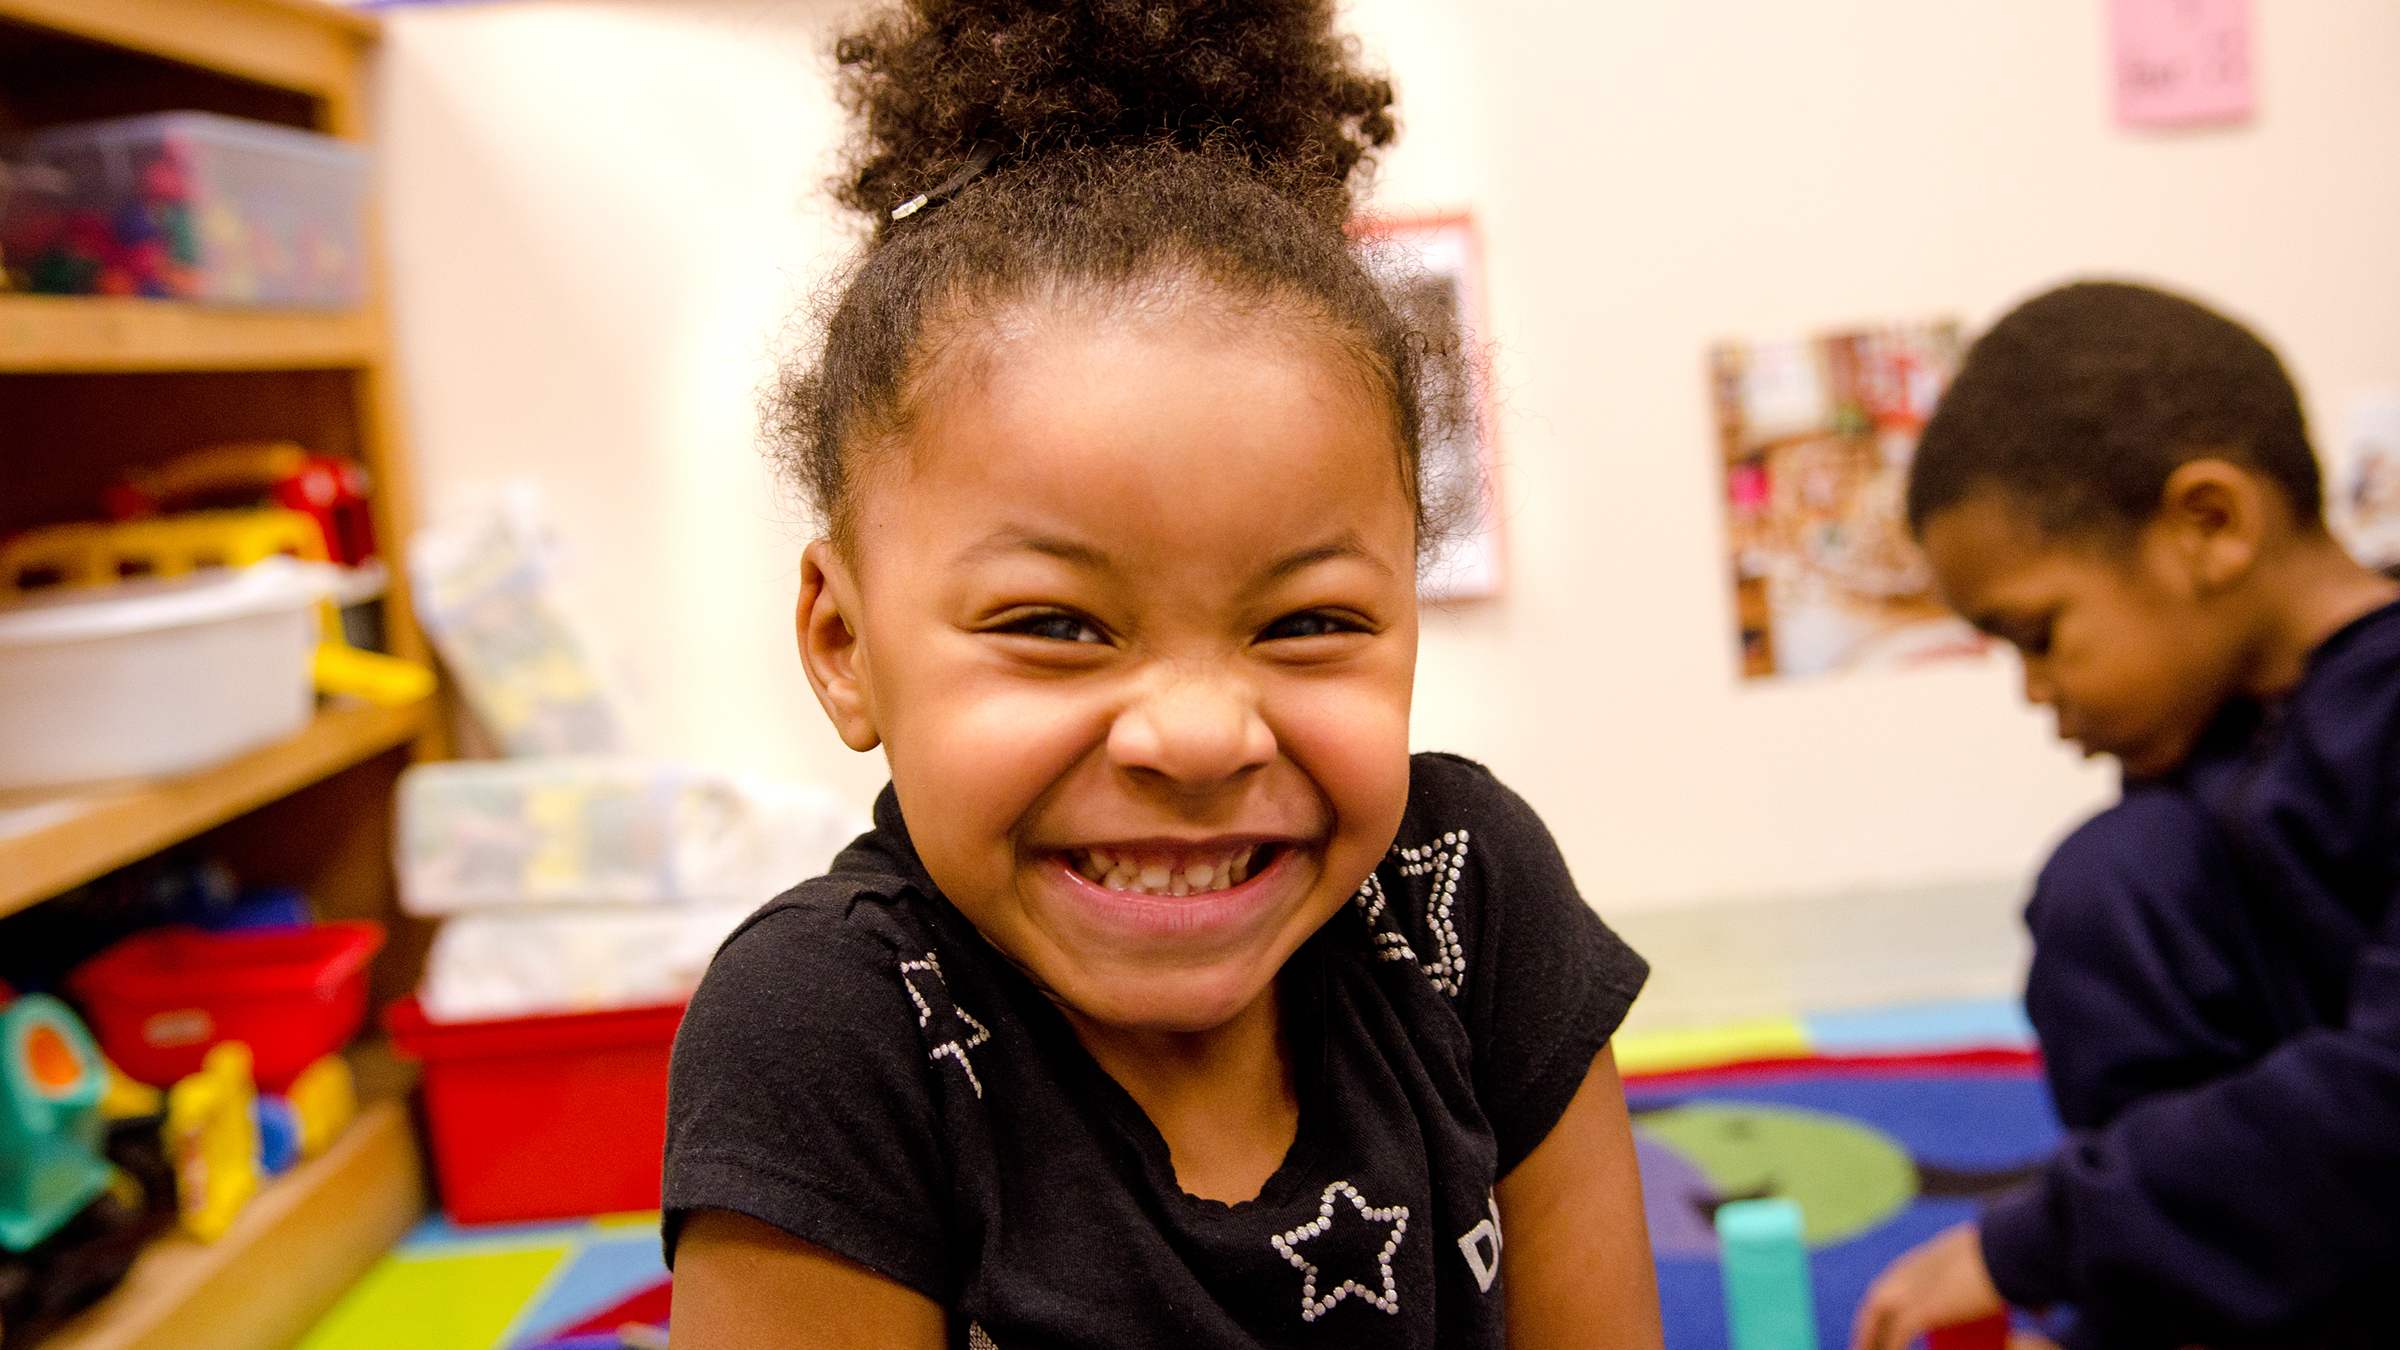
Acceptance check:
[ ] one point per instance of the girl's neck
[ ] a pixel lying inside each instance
(1223, 1099)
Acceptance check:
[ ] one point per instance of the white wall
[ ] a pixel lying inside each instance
(600, 212)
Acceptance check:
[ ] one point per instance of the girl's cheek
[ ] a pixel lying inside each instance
(1351, 738)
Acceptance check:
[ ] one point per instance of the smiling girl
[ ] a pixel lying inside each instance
(1170, 1002)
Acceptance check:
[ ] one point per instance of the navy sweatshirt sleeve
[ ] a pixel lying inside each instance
(2218, 980)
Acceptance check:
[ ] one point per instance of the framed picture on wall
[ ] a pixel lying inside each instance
(1437, 266)
(1815, 435)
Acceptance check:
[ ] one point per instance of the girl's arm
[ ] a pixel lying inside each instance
(745, 1285)
(1576, 1254)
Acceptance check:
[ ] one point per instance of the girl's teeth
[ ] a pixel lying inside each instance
(1164, 876)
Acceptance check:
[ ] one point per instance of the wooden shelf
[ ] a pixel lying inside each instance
(95, 835)
(295, 44)
(80, 334)
(289, 1258)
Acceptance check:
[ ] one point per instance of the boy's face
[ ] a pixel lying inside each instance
(2114, 639)
(1134, 610)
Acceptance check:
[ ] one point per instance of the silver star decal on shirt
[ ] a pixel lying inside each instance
(1331, 1214)
(958, 1045)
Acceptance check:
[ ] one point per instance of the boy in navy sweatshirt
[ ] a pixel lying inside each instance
(2119, 484)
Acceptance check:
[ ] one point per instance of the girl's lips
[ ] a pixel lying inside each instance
(1137, 915)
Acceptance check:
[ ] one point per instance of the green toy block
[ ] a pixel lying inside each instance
(1769, 1303)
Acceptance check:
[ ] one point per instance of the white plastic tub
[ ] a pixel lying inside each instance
(149, 679)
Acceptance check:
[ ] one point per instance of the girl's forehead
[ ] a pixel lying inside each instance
(1140, 432)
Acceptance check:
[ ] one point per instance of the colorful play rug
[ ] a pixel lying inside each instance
(567, 1286)
(1885, 1126)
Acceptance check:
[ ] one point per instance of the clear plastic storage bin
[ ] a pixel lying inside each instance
(190, 206)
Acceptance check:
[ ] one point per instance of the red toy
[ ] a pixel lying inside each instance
(544, 1117)
(1988, 1333)
(159, 1000)
(330, 491)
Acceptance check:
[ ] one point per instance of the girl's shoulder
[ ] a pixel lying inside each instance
(1476, 900)
(1471, 864)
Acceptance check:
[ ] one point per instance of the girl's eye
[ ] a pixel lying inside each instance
(1308, 624)
(1056, 628)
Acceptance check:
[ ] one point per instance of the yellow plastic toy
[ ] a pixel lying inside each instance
(93, 553)
(325, 1098)
(128, 1099)
(214, 1141)
(88, 553)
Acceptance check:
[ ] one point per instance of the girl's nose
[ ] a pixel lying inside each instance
(1193, 731)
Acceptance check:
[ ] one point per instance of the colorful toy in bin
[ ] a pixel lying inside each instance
(51, 1082)
(213, 1139)
(159, 1000)
(191, 206)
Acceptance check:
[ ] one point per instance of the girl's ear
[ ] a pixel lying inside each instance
(830, 651)
(2215, 514)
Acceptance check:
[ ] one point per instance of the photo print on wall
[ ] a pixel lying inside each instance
(1815, 435)
(1436, 259)
(2365, 485)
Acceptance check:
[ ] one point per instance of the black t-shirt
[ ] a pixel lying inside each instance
(862, 1070)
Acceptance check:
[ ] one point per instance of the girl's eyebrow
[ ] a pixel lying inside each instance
(1090, 559)
(1344, 545)
(1011, 540)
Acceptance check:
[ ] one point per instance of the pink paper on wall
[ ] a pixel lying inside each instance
(2182, 63)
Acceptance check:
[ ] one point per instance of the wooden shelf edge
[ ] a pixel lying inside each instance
(295, 1250)
(66, 334)
(114, 830)
(297, 44)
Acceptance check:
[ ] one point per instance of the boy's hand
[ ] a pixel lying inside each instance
(1938, 1283)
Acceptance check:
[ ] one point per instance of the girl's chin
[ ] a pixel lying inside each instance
(1172, 1005)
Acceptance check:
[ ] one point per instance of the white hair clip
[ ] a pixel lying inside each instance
(977, 164)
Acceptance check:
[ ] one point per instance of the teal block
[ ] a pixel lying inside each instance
(1769, 1303)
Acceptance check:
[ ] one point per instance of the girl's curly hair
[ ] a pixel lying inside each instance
(1126, 143)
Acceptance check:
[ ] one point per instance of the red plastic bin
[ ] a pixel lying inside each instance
(543, 1117)
(158, 1000)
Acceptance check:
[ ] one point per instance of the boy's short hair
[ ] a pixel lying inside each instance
(2083, 401)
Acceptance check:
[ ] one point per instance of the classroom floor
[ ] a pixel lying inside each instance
(1885, 1125)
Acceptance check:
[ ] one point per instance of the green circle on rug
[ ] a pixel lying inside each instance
(1847, 1177)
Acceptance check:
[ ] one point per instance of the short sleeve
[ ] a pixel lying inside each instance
(798, 1097)
(1542, 982)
